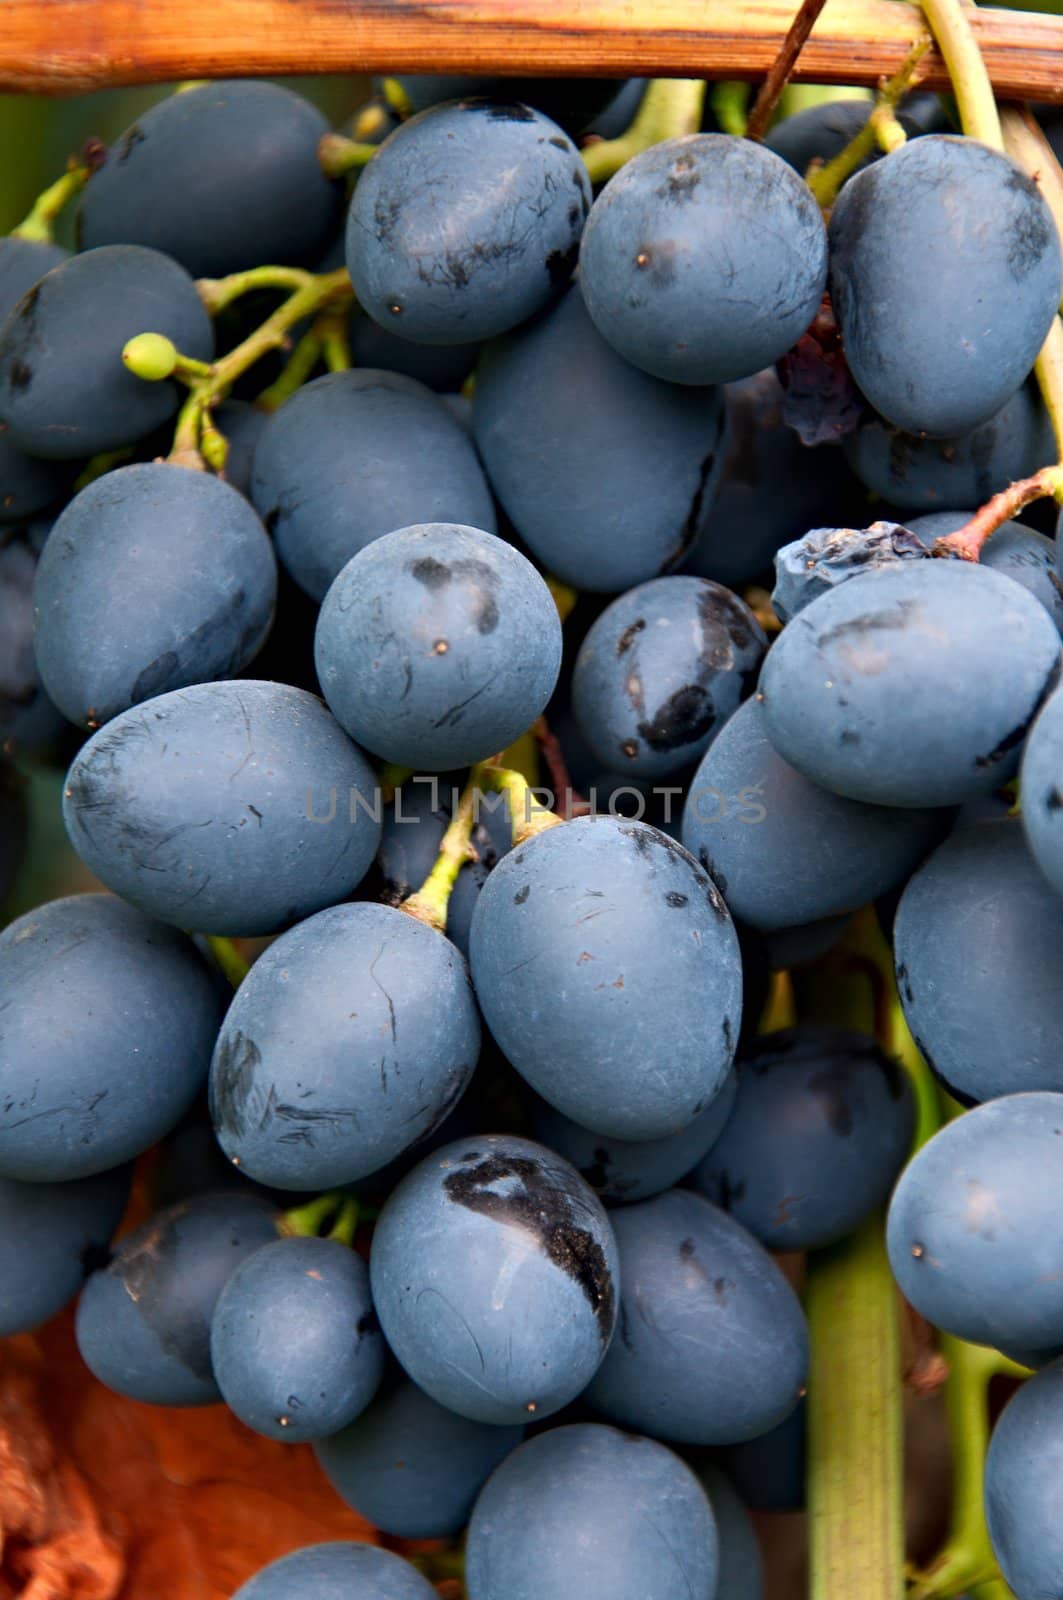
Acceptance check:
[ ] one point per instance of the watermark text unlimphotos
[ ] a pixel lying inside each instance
(663, 802)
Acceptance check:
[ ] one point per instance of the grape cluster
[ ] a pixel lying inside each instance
(490, 1178)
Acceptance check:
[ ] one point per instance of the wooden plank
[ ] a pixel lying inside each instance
(63, 46)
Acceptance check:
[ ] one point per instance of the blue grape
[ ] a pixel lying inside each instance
(222, 177)
(704, 259)
(494, 1276)
(1022, 1471)
(1042, 787)
(661, 670)
(106, 1026)
(741, 1574)
(758, 828)
(826, 557)
(920, 474)
(911, 687)
(23, 262)
(820, 1129)
(979, 995)
(552, 399)
(615, 118)
(64, 390)
(573, 103)
(972, 1229)
(769, 1471)
(1019, 552)
(749, 519)
(466, 221)
(412, 1468)
(28, 484)
(586, 1510)
(356, 455)
(440, 367)
(784, 948)
(28, 718)
(920, 244)
(711, 1344)
(143, 1321)
(232, 808)
(615, 917)
(338, 1572)
(350, 1039)
(50, 1234)
(111, 629)
(294, 1341)
(621, 1171)
(242, 426)
(437, 645)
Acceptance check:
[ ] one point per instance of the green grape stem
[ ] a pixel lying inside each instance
(309, 1220)
(392, 777)
(670, 107)
(967, 1561)
(880, 129)
(39, 225)
(346, 1224)
(950, 23)
(310, 294)
(429, 903)
(527, 814)
(339, 155)
(297, 369)
(229, 959)
(855, 1425)
(855, 1466)
(331, 329)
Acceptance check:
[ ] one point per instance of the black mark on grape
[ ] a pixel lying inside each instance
(681, 182)
(503, 112)
(692, 523)
(238, 1060)
(560, 264)
(522, 895)
(675, 899)
(542, 1207)
(1031, 230)
(1011, 741)
(129, 141)
(686, 716)
(629, 635)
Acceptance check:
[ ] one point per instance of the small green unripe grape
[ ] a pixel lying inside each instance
(151, 356)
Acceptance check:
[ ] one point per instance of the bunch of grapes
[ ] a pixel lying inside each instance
(349, 483)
